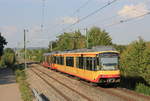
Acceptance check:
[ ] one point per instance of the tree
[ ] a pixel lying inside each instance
(9, 57)
(135, 60)
(96, 37)
(2, 43)
(35, 54)
(52, 45)
(132, 58)
(120, 48)
(69, 41)
(146, 66)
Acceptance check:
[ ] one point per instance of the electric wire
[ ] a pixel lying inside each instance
(109, 18)
(94, 12)
(116, 23)
(127, 20)
(76, 11)
(82, 6)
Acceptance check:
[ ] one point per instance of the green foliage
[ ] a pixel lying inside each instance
(135, 66)
(2, 43)
(96, 37)
(69, 41)
(2, 63)
(36, 54)
(145, 71)
(8, 59)
(120, 48)
(20, 74)
(141, 88)
(133, 58)
(75, 40)
(26, 93)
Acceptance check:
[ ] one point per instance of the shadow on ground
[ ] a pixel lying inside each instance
(6, 76)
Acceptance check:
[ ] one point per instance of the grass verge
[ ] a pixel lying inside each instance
(26, 92)
(141, 88)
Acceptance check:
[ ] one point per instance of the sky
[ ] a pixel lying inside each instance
(57, 15)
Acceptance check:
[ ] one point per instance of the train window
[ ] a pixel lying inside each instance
(52, 59)
(55, 59)
(58, 59)
(61, 60)
(94, 64)
(81, 62)
(88, 63)
(77, 62)
(70, 61)
(45, 58)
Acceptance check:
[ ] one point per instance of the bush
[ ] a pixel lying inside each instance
(135, 60)
(135, 67)
(25, 91)
(8, 59)
(141, 88)
(20, 75)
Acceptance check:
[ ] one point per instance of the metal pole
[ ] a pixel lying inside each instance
(87, 38)
(25, 63)
(51, 46)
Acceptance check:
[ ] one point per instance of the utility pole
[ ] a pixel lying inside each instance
(87, 38)
(25, 63)
(51, 45)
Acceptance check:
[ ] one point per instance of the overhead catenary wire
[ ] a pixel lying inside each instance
(116, 23)
(109, 18)
(92, 13)
(82, 6)
(127, 20)
(76, 11)
(122, 21)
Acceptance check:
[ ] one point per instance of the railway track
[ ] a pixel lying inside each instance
(110, 91)
(57, 90)
(133, 93)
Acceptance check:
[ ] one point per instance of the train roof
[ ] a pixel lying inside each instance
(93, 50)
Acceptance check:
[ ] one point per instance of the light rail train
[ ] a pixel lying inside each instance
(98, 65)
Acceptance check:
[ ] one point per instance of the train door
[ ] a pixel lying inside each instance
(84, 66)
(50, 61)
(89, 64)
(75, 65)
(79, 65)
(64, 63)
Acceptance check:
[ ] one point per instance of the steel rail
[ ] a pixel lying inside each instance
(57, 90)
(82, 95)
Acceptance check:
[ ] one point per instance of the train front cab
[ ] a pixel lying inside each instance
(108, 68)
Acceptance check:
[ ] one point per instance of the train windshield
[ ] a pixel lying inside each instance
(108, 61)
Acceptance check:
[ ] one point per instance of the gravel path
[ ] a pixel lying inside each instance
(9, 89)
